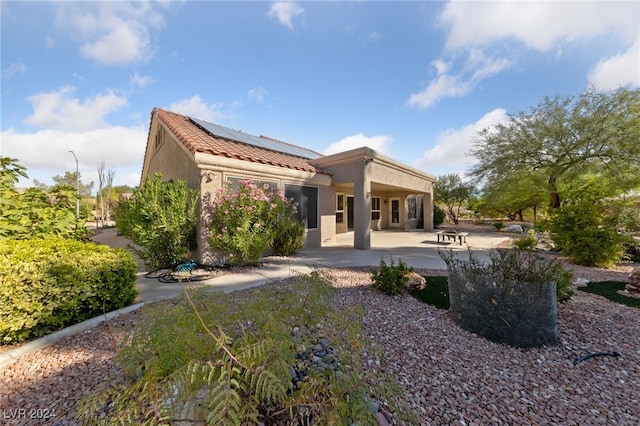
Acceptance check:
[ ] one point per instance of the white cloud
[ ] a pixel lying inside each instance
(619, 70)
(373, 37)
(476, 68)
(379, 143)
(138, 81)
(285, 11)
(16, 68)
(257, 93)
(60, 111)
(111, 33)
(452, 145)
(539, 25)
(46, 153)
(195, 107)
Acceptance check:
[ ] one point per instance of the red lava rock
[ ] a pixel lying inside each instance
(500, 384)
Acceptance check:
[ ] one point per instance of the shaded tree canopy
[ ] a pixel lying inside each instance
(511, 196)
(453, 192)
(564, 137)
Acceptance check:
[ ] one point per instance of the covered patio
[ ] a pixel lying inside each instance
(375, 192)
(416, 248)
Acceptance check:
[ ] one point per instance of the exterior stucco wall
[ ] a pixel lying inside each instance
(171, 159)
(327, 212)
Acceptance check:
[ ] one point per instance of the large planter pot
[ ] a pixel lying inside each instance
(519, 314)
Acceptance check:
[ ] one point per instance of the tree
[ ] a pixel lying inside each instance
(105, 191)
(108, 192)
(69, 179)
(101, 179)
(451, 191)
(37, 212)
(512, 196)
(563, 137)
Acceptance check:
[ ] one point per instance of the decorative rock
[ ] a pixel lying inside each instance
(516, 229)
(381, 419)
(372, 406)
(416, 281)
(633, 285)
(581, 282)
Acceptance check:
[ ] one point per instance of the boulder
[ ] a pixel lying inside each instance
(516, 229)
(633, 285)
(416, 281)
(581, 282)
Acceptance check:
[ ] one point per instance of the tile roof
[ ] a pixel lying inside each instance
(196, 139)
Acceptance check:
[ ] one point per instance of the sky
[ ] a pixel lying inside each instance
(413, 80)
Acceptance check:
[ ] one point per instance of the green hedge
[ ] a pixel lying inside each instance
(48, 284)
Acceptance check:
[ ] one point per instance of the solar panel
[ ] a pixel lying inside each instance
(260, 142)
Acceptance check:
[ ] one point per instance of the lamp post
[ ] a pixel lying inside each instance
(77, 187)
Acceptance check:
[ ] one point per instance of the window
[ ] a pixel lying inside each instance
(235, 183)
(412, 207)
(375, 208)
(307, 199)
(339, 208)
(159, 137)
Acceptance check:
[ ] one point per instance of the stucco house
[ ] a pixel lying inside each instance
(357, 191)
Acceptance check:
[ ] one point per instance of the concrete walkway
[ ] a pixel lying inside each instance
(415, 248)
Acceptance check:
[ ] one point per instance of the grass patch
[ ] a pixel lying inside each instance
(609, 289)
(435, 292)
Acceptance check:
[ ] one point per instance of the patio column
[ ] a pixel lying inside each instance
(362, 208)
(427, 211)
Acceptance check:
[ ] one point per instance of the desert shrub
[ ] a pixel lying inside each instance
(288, 236)
(587, 233)
(511, 299)
(47, 284)
(526, 243)
(246, 358)
(498, 225)
(160, 219)
(391, 279)
(526, 226)
(439, 216)
(247, 221)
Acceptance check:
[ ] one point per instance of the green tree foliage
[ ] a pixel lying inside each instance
(247, 221)
(564, 137)
(513, 196)
(587, 233)
(36, 212)
(69, 179)
(11, 207)
(230, 360)
(452, 192)
(438, 216)
(160, 219)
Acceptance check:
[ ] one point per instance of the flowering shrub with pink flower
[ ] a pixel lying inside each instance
(247, 221)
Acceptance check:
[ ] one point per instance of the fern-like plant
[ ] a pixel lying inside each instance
(226, 360)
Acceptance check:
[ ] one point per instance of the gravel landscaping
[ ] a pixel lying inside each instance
(450, 375)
